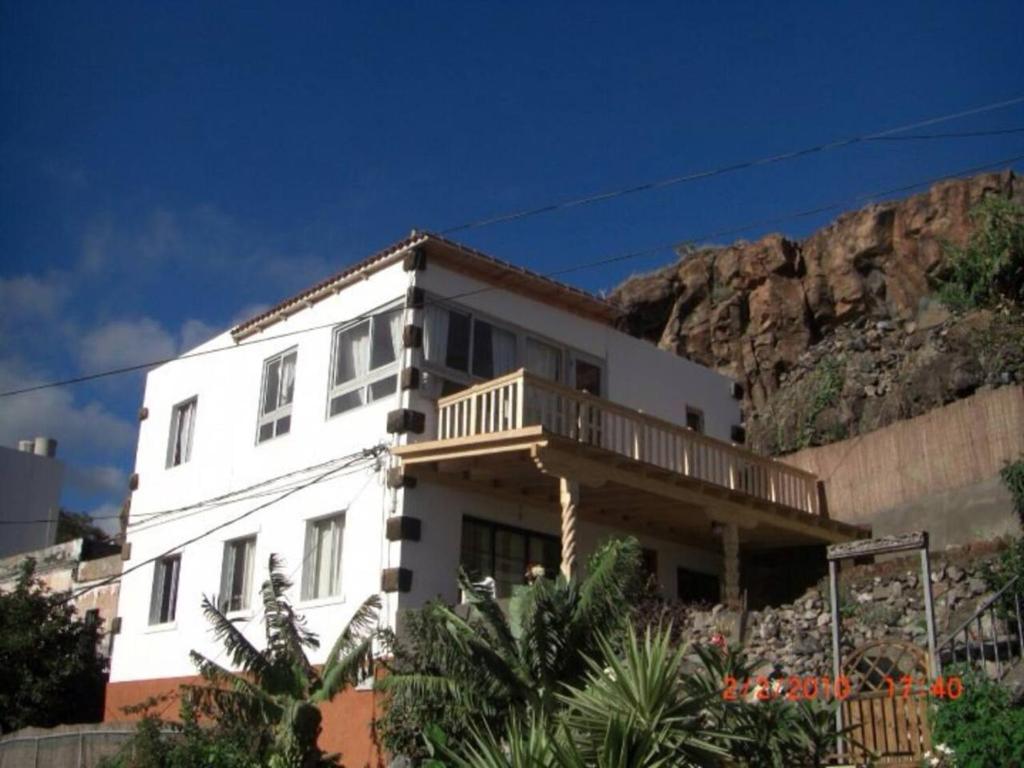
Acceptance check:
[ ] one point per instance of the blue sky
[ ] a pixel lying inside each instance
(166, 169)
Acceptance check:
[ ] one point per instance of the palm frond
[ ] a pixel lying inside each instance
(614, 580)
(242, 653)
(482, 602)
(362, 621)
(349, 669)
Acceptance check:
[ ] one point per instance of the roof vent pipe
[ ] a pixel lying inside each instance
(27, 446)
(46, 446)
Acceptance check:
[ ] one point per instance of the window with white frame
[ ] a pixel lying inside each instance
(236, 574)
(183, 423)
(321, 575)
(277, 394)
(366, 357)
(163, 599)
(462, 343)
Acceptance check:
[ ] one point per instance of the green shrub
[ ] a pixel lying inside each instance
(990, 267)
(1012, 476)
(981, 726)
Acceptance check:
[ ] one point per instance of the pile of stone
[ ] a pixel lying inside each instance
(795, 639)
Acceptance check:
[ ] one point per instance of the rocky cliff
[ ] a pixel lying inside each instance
(838, 333)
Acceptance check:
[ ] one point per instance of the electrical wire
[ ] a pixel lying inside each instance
(368, 452)
(628, 256)
(727, 169)
(231, 497)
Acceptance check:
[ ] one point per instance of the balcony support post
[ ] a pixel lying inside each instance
(569, 495)
(731, 571)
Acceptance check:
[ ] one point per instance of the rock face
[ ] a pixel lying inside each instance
(754, 311)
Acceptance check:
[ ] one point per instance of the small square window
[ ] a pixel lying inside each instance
(322, 574)
(183, 424)
(236, 574)
(164, 597)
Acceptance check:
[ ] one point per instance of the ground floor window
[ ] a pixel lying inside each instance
(505, 553)
(321, 576)
(697, 587)
(236, 574)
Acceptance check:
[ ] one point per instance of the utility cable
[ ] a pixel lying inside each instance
(628, 256)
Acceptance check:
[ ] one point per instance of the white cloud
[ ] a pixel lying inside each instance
(124, 343)
(84, 429)
(96, 480)
(195, 332)
(32, 296)
(107, 518)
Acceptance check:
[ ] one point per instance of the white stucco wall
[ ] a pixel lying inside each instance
(225, 458)
(638, 374)
(30, 487)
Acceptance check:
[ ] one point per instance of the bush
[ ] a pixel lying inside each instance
(990, 267)
(981, 726)
(1012, 476)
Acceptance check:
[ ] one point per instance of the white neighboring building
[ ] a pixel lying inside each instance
(30, 486)
(471, 372)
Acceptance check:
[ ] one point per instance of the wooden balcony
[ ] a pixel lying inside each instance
(526, 439)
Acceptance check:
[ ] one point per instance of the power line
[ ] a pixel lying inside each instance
(365, 453)
(628, 256)
(727, 169)
(231, 497)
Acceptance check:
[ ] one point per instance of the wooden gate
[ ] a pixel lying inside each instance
(887, 710)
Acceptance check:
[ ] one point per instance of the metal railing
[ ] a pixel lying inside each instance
(992, 639)
(520, 399)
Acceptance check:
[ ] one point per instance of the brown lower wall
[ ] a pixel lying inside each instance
(347, 724)
(939, 455)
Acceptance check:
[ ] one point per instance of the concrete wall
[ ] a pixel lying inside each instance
(30, 488)
(938, 471)
(74, 566)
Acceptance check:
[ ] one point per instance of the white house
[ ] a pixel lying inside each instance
(426, 408)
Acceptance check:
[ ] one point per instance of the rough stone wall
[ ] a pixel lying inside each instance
(877, 601)
(770, 312)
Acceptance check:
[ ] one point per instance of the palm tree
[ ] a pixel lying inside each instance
(632, 711)
(481, 665)
(278, 689)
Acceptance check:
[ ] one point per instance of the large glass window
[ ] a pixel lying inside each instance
(278, 392)
(366, 361)
(322, 573)
(504, 553)
(163, 599)
(236, 574)
(494, 350)
(183, 423)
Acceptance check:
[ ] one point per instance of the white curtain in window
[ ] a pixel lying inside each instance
(503, 350)
(435, 339)
(324, 557)
(227, 574)
(395, 325)
(353, 355)
(543, 359)
(288, 379)
(183, 439)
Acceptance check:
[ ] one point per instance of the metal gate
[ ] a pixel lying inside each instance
(887, 710)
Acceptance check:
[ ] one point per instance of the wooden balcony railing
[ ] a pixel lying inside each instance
(520, 399)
